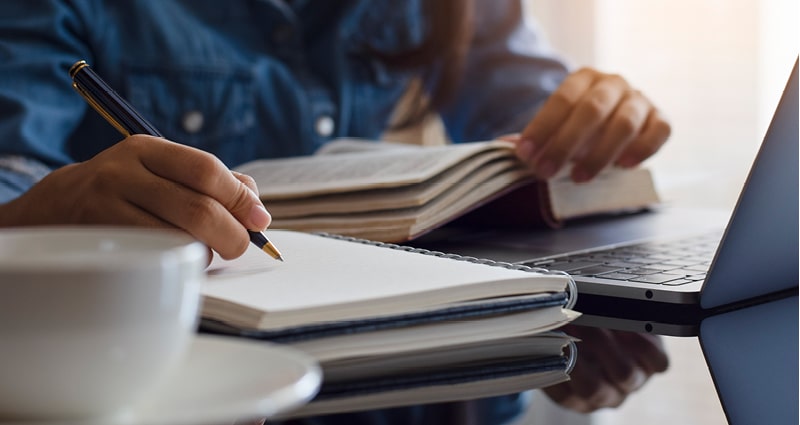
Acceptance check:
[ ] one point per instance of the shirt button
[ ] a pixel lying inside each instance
(192, 121)
(324, 126)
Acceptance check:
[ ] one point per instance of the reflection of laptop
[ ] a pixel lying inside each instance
(744, 309)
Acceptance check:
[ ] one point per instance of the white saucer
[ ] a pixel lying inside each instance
(222, 380)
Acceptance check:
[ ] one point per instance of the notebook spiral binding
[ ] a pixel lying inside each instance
(572, 289)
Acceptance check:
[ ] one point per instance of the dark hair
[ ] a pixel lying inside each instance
(449, 33)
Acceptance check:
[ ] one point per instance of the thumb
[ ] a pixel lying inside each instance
(247, 180)
(245, 205)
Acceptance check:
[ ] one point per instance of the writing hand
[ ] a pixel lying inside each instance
(592, 120)
(610, 366)
(149, 181)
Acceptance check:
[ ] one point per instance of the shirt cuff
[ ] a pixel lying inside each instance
(18, 174)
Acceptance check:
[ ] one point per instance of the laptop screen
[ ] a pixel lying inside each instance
(758, 254)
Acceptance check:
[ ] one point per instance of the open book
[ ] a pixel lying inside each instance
(393, 325)
(393, 192)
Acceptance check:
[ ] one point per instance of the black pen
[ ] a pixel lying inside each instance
(119, 113)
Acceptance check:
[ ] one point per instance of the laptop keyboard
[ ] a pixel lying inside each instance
(670, 263)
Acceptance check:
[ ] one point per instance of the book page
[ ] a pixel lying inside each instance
(332, 279)
(304, 176)
(614, 190)
(349, 145)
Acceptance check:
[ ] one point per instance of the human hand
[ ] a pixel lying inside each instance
(592, 120)
(148, 181)
(610, 366)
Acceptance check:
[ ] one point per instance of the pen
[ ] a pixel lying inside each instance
(120, 114)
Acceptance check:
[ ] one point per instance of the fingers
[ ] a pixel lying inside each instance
(655, 133)
(250, 183)
(202, 216)
(558, 107)
(622, 127)
(246, 180)
(193, 190)
(610, 366)
(205, 174)
(588, 389)
(592, 120)
(588, 116)
(148, 181)
(650, 353)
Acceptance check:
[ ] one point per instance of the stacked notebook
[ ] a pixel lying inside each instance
(392, 325)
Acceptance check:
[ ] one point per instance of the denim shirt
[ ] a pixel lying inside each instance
(247, 79)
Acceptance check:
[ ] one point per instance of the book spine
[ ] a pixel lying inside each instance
(572, 289)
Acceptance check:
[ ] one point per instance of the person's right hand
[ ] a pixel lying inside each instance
(148, 181)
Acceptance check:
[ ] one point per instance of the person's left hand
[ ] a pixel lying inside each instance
(610, 366)
(592, 120)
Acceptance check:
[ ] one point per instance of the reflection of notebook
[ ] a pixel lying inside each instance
(744, 309)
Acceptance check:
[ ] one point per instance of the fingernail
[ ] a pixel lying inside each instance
(525, 150)
(627, 161)
(637, 380)
(259, 217)
(580, 175)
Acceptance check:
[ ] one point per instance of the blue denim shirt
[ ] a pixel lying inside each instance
(247, 79)
(244, 79)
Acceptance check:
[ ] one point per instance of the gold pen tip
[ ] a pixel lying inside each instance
(273, 252)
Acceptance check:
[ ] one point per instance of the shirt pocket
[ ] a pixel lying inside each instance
(210, 108)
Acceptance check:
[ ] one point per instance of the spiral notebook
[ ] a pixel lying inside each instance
(331, 285)
(392, 325)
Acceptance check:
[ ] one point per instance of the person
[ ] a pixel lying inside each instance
(254, 79)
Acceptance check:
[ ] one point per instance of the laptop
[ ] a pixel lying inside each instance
(735, 286)
(664, 271)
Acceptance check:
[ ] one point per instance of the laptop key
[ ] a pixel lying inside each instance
(656, 278)
(646, 271)
(595, 270)
(569, 266)
(702, 268)
(624, 264)
(682, 262)
(618, 276)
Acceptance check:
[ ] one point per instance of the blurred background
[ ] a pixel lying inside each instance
(716, 68)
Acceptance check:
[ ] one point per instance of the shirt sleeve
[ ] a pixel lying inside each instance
(39, 41)
(508, 73)
(18, 174)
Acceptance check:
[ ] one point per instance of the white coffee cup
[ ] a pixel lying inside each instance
(92, 319)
